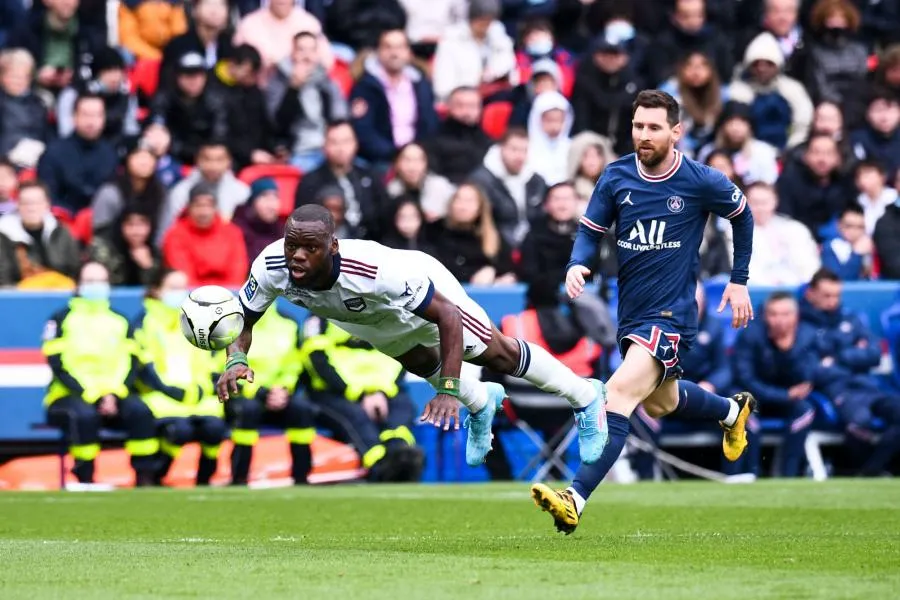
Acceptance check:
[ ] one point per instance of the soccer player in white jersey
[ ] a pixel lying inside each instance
(409, 306)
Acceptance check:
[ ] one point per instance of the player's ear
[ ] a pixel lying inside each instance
(335, 247)
(677, 131)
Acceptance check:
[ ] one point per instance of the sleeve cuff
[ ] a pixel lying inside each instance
(426, 301)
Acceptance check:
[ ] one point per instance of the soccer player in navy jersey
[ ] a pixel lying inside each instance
(659, 202)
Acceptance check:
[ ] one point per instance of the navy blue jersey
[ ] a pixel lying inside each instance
(659, 223)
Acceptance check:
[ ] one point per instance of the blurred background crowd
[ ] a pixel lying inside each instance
(156, 136)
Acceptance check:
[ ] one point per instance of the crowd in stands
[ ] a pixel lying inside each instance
(181, 134)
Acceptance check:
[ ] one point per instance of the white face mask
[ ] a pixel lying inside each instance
(621, 31)
(95, 290)
(174, 298)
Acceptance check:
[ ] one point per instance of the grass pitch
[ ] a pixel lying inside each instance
(773, 539)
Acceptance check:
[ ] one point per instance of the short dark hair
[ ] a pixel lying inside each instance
(338, 123)
(853, 209)
(658, 99)
(515, 131)
(817, 135)
(531, 25)
(463, 88)
(821, 275)
(391, 30)
(312, 213)
(84, 97)
(245, 53)
(562, 184)
(870, 163)
(212, 143)
(779, 296)
(304, 34)
(38, 185)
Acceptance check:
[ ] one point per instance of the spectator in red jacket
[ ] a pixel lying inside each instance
(211, 251)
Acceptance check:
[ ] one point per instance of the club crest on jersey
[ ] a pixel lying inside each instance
(355, 304)
(251, 287)
(675, 204)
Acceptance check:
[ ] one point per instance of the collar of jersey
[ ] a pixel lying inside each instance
(335, 270)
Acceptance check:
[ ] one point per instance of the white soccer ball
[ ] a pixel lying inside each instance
(211, 317)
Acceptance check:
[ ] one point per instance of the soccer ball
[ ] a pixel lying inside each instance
(211, 317)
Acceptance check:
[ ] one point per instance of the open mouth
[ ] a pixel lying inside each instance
(297, 272)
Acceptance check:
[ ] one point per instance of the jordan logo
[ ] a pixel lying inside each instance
(627, 199)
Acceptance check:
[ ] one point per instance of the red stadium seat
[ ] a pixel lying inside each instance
(286, 177)
(27, 175)
(340, 74)
(82, 227)
(495, 118)
(145, 76)
(62, 215)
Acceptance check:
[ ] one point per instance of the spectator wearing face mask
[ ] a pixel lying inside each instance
(259, 219)
(538, 45)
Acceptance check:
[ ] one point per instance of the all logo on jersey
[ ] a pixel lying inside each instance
(675, 204)
(627, 199)
(355, 304)
(647, 237)
(250, 288)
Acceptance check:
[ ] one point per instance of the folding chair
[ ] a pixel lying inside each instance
(527, 404)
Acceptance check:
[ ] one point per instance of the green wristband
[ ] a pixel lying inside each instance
(236, 358)
(449, 386)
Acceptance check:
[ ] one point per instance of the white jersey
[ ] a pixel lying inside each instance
(378, 295)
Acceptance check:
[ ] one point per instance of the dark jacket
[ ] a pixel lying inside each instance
(22, 117)
(88, 40)
(247, 122)
(457, 149)
(12, 14)
(421, 242)
(108, 248)
(767, 372)
(186, 43)
(192, 122)
(53, 248)
(371, 114)
(73, 169)
(505, 210)
(802, 196)
(869, 144)
(842, 336)
(673, 44)
(545, 251)
(887, 242)
(460, 252)
(846, 265)
(837, 72)
(359, 23)
(602, 103)
(707, 360)
(369, 192)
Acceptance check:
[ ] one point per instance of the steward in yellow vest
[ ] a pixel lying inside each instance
(356, 389)
(176, 379)
(270, 398)
(93, 361)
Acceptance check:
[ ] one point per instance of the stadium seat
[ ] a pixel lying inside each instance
(145, 77)
(341, 75)
(62, 215)
(286, 177)
(495, 118)
(82, 227)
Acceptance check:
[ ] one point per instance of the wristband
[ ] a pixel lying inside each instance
(237, 358)
(449, 386)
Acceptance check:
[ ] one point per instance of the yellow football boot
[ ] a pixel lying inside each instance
(560, 505)
(734, 441)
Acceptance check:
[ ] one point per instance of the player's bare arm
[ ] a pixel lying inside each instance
(236, 365)
(444, 408)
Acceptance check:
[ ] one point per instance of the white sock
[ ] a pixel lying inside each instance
(539, 367)
(733, 411)
(579, 501)
(472, 392)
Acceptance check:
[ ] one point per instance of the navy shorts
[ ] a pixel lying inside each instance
(662, 342)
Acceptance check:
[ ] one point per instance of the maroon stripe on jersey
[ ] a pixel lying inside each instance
(474, 324)
(347, 270)
(480, 336)
(359, 265)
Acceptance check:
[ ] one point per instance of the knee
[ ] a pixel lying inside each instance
(506, 355)
(133, 408)
(248, 413)
(298, 413)
(178, 432)
(656, 411)
(212, 430)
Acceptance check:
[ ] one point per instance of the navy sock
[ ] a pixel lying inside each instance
(696, 403)
(589, 477)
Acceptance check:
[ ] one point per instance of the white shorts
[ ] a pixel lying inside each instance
(477, 327)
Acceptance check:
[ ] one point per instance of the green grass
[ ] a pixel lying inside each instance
(773, 539)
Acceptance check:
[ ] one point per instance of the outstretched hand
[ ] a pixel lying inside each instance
(442, 410)
(741, 309)
(228, 381)
(575, 278)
